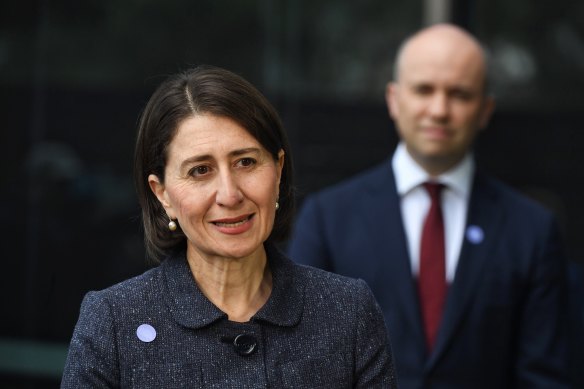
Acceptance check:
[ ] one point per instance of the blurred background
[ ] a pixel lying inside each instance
(74, 76)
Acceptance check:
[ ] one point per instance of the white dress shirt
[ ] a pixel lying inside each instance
(415, 203)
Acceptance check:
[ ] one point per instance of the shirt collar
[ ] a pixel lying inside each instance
(409, 175)
(189, 306)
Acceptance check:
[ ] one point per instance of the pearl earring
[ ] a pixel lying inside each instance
(172, 225)
(277, 205)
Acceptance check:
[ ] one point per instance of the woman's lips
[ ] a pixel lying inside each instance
(232, 222)
(233, 226)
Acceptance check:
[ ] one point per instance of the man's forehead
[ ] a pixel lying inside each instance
(442, 47)
(464, 70)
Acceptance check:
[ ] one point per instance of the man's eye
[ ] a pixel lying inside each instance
(462, 95)
(423, 90)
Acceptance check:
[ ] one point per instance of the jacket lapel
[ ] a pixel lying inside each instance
(484, 219)
(389, 244)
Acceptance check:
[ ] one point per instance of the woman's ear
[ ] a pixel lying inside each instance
(159, 191)
(280, 164)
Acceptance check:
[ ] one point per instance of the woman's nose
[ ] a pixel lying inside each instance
(228, 191)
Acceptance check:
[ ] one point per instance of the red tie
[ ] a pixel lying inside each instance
(432, 278)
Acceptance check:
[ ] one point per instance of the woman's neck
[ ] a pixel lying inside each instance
(237, 286)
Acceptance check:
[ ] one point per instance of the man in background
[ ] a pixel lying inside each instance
(469, 273)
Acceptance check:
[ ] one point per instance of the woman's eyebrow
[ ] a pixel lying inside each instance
(244, 151)
(206, 157)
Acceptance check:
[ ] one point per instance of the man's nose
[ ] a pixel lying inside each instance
(438, 106)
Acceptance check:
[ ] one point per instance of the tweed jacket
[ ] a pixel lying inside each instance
(157, 330)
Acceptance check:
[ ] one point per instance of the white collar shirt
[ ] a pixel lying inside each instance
(415, 203)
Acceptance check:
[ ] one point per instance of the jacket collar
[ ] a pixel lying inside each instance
(286, 303)
(189, 306)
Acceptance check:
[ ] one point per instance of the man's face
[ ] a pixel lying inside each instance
(438, 101)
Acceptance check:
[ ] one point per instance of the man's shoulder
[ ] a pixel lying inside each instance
(512, 198)
(373, 178)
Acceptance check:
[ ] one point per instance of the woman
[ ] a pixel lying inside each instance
(225, 308)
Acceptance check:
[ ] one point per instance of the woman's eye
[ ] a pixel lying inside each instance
(246, 162)
(199, 171)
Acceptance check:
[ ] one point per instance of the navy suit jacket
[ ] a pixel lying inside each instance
(317, 330)
(503, 324)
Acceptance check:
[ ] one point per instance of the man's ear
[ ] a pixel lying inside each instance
(391, 91)
(487, 111)
(159, 191)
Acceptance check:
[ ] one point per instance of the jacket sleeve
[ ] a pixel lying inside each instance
(307, 245)
(542, 348)
(374, 366)
(92, 360)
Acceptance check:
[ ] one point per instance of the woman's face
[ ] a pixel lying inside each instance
(221, 185)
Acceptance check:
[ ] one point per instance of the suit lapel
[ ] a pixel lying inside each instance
(382, 208)
(484, 219)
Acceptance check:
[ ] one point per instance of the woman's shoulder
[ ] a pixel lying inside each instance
(127, 292)
(328, 296)
(311, 278)
(322, 278)
(328, 286)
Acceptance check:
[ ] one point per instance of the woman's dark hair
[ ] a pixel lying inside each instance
(203, 90)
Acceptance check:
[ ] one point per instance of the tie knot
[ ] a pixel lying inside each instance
(434, 189)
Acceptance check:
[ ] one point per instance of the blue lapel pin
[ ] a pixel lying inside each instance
(146, 333)
(475, 234)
